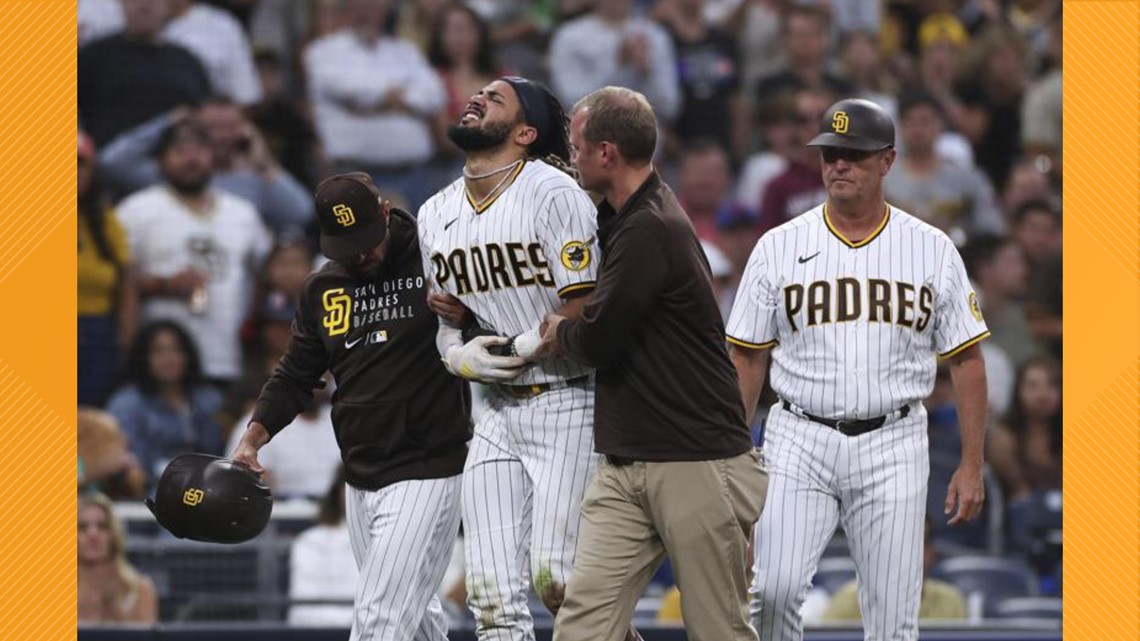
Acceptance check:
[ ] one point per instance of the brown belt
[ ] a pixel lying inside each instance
(530, 391)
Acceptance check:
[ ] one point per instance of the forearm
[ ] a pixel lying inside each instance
(256, 436)
(151, 286)
(751, 369)
(968, 373)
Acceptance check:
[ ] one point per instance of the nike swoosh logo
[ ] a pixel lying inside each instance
(449, 223)
(351, 344)
(804, 259)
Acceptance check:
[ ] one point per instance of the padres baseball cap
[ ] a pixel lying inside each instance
(856, 123)
(350, 215)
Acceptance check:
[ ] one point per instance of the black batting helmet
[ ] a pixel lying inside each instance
(855, 123)
(211, 499)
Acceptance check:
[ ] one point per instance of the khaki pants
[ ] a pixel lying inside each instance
(700, 513)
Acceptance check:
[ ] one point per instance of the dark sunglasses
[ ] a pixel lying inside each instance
(832, 155)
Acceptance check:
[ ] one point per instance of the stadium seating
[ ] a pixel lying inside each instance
(995, 579)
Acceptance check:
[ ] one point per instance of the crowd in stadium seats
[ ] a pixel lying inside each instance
(204, 126)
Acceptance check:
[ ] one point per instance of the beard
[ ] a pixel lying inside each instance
(191, 184)
(488, 136)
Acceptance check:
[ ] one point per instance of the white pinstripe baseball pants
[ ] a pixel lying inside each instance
(527, 469)
(875, 485)
(402, 536)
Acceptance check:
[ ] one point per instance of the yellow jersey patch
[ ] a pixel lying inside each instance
(975, 309)
(575, 256)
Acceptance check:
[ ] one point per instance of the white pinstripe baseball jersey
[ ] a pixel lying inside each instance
(510, 260)
(854, 326)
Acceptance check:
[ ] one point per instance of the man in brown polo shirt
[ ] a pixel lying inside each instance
(679, 474)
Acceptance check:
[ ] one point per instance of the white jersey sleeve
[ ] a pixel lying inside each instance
(424, 221)
(568, 230)
(958, 321)
(752, 322)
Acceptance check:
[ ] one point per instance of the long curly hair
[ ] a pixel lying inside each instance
(554, 148)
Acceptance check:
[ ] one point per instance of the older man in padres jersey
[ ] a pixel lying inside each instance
(852, 302)
(511, 241)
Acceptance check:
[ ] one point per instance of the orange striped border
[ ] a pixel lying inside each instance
(1102, 320)
(37, 324)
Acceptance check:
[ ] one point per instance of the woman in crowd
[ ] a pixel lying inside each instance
(1025, 448)
(460, 51)
(164, 407)
(110, 590)
(107, 296)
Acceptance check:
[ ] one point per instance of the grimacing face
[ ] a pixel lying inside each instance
(489, 120)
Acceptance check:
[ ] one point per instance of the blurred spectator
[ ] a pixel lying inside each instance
(755, 25)
(125, 79)
(777, 121)
(164, 407)
(940, 600)
(703, 185)
(98, 19)
(270, 327)
(855, 16)
(957, 200)
(943, 430)
(942, 43)
(322, 564)
(244, 166)
(366, 87)
(241, 163)
(107, 294)
(460, 51)
(611, 46)
(283, 121)
(110, 590)
(1042, 109)
(520, 30)
(218, 40)
(105, 461)
(720, 267)
(942, 411)
(736, 237)
(1037, 229)
(708, 70)
(862, 64)
(196, 249)
(1026, 183)
(990, 91)
(800, 187)
(1024, 449)
(416, 21)
(997, 267)
(805, 33)
(1033, 19)
(300, 460)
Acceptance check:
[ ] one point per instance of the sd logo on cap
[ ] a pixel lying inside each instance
(351, 215)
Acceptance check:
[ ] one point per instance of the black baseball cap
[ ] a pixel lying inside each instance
(856, 123)
(350, 214)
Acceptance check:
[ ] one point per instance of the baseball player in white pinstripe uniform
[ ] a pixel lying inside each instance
(511, 241)
(851, 302)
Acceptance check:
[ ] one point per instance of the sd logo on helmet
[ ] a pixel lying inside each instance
(211, 499)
